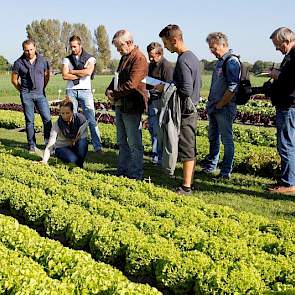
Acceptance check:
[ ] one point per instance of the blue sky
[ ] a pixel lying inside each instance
(247, 24)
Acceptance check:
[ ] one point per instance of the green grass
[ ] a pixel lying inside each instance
(8, 93)
(241, 192)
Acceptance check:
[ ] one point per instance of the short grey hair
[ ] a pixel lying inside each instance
(283, 34)
(217, 38)
(122, 36)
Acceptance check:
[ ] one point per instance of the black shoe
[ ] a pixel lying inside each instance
(118, 174)
(99, 152)
(208, 170)
(31, 149)
(184, 191)
(222, 176)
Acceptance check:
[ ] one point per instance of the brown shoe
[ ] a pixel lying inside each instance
(283, 189)
(271, 186)
(99, 152)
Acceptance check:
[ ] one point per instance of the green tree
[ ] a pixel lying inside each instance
(52, 38)
(103, 46)
(208, 65)
(84, 33)
(46, 34)
(261, 66)
(99, 66)
(248, 66)
(66, 33)
(258, 66)
(113, 65)
(4, 64)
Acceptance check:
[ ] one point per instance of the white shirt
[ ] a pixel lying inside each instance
(85, 82)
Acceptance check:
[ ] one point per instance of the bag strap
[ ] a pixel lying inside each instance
(225, 63)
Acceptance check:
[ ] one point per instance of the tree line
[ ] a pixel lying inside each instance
(4, 64)
(52, 40)
(258, 67)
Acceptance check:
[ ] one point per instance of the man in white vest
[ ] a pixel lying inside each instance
(78, 69)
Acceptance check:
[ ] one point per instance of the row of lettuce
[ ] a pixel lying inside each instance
(250, 156)
(254, 113)
(177, 244)
(259, 136)
(31, 264)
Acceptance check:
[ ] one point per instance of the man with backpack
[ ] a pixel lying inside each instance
(221, 105)
(78, 69)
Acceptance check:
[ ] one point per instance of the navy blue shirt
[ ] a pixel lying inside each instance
(31, 75)
(220, 83)
(187, 76)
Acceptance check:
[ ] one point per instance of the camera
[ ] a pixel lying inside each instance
(265, 89)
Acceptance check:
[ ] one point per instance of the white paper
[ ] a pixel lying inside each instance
(152, 81)
(263, 74)
(116, 80)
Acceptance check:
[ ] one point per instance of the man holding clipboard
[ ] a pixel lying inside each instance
(159, 68)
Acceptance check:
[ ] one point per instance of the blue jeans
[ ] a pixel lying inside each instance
(285, 123)
(153, 120)
(75, 154)
(129, 140)
(29, 101)
(221, 125)
(85, 97)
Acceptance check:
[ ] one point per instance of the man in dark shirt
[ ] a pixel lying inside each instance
(161, 69)
(30, 75)
(283, 98)
(187, 78)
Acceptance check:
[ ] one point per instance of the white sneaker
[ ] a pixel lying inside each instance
(155, 160)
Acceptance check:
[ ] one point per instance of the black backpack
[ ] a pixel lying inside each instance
(244, 91)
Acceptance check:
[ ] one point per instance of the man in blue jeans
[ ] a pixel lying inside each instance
(30, 75)
(159, 68)
(221, 106)
(129, 96)
(283, 98)
(78, 69)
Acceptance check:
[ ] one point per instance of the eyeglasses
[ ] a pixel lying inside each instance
(278, 45)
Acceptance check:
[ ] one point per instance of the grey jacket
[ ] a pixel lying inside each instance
(169, 127)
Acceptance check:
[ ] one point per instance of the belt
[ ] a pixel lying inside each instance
(154, 98)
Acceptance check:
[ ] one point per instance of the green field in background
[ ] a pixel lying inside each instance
(8, 93)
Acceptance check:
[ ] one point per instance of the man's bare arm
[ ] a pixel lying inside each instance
(14, 80)
(46, 78)
(84, 72)
(227, 97)
(66, 75)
